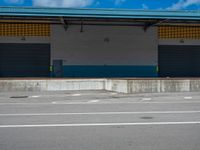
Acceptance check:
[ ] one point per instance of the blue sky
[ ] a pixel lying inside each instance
(123, 4)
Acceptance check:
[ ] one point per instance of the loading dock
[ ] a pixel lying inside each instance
(98, 43)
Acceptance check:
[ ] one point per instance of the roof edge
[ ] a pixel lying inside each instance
(99, 13)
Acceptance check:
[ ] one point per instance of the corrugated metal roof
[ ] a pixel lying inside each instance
(99, 13)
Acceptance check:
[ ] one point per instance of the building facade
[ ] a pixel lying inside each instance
(41, 42)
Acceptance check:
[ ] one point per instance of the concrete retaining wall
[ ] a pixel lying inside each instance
(154, 86)
(117, 85)
(52, 85)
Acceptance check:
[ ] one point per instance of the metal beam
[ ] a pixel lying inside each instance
(150, 24)
(81, 30)
(65, 23)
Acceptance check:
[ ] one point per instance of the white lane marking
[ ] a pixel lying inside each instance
(188, 97)
(101, 103)
(104, 113)
(76, 94)
(116, 103)
(34, 96)
(147, 99)
(93, 101)
(113, 93)
(100, 124)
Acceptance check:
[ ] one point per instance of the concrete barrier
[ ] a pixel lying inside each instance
(52, 85)
(153, 85)
(116, 85)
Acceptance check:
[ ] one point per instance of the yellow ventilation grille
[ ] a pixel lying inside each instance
(184, 32)
(24, 29)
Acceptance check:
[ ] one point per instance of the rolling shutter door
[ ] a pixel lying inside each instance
(179, 61)
(24, 60)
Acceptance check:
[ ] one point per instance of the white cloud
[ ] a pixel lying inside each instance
(62, 3)
(144, 6)
(14, 1)
(182, 4)
(118, 2)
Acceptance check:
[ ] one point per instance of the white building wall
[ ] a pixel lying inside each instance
(104, 45)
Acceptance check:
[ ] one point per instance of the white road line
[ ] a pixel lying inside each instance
(188, 97)
(93, 101)
(100, 103)
(101, 124)
(146, 99)
(2, 104)
(76, 94)
(113, 93)
(35, 96)
(104, 113)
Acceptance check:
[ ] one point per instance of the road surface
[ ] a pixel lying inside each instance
(100, 121)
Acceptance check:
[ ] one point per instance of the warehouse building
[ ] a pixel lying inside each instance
(93, 43)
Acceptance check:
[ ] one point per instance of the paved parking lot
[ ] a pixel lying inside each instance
(99, 120)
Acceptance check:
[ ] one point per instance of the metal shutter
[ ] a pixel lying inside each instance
(179, 61)
(24, 60)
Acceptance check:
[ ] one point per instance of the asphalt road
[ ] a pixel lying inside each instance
(99, 121)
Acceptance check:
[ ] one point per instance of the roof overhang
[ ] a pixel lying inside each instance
(155, 17)
(99, 13)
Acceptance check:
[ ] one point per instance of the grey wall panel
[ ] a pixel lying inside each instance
(24, 60)
(104, 45)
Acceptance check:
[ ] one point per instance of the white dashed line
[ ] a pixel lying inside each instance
(76, 94)
(114, 93)
(35, 96)
(93, 101)
(188, 97)
(147, 99)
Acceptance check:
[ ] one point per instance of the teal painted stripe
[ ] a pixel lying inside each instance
(110, 71)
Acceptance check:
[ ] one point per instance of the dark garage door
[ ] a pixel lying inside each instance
(179, 61)
(24, 60)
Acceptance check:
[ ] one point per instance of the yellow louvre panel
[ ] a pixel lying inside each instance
(186, 32)
(24, 29)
